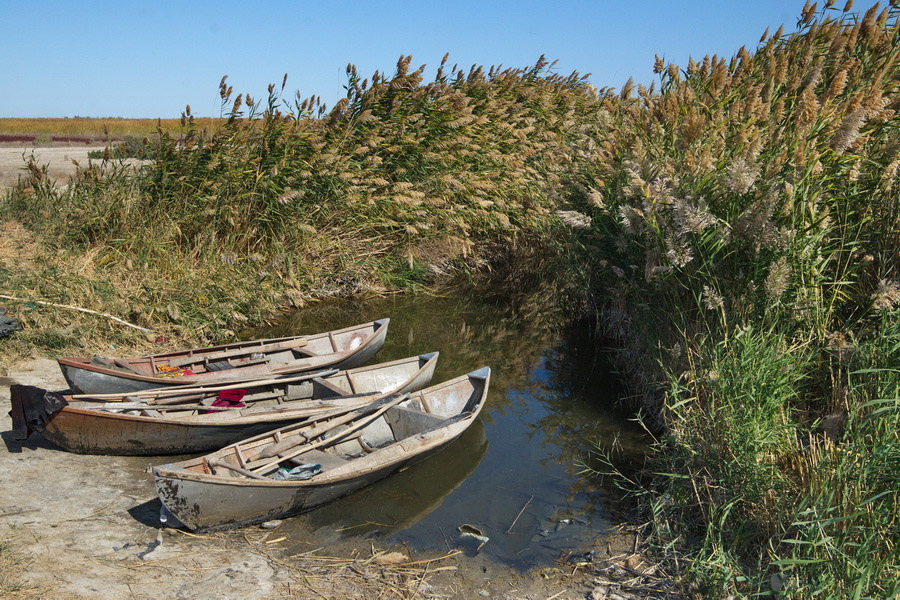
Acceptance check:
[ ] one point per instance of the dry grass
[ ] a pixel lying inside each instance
(10, 563)
(95, 128)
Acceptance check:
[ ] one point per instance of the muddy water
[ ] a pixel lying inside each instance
(515, 477)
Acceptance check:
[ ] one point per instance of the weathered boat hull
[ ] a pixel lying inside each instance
(358, 345)
(89, 432)
(206, 501)
(204, 508)
(84, 429)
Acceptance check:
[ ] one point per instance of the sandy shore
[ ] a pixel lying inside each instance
(59, 160)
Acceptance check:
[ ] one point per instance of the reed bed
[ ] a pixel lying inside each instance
(736, 227)
(747, 223)
(401, 183)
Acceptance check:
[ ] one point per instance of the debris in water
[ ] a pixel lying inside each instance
(472, 538)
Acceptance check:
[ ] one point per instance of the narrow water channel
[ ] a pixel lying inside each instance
(516, 476)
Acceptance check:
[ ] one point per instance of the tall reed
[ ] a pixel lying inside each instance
(400, 183)
(752, 207)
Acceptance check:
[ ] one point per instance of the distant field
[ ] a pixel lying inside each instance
(83, 129)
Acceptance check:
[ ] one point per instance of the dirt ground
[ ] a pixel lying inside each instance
(59, 159)
(77, 527)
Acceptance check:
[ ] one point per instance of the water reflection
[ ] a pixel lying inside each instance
(408, 496)
(515, 475)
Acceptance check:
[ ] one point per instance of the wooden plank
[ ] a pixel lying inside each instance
(240, 457)
(329, 386)
(338, 437)
(213, 386)
(124, 364)
(263, 348)
(236, 469)
(20, 425)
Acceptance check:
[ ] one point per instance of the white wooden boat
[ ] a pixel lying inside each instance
(242, 484)
(182, 420)
(341, 349)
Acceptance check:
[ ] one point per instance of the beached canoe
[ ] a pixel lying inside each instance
(296, 468)
(340, 349)
(182, 420)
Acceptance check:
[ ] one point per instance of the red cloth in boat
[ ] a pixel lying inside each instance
(230, 398)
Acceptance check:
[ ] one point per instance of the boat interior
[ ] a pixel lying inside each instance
(334, 445)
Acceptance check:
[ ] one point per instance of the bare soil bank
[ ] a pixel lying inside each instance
(59, 158)
(60, 161)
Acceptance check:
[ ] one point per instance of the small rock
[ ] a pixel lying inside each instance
(8, 326)
(484, 593)
(274, 524)
(600, 592)
(775, 583)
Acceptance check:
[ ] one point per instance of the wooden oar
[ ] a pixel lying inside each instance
(306, 447)
(301, 436)
(218, 386)
(224, 354)
(236, 469)
(174, 407)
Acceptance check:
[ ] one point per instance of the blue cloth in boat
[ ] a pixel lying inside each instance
(307, 471)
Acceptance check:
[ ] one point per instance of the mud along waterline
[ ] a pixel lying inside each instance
(514, 476)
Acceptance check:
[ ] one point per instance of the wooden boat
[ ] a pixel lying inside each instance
(182, 420)
(341, 349)
(243, 483)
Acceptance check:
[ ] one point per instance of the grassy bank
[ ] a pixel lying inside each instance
(402, 183)
(736, 227)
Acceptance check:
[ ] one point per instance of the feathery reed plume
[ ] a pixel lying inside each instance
(712, 300)
(742, 174)
(886, 295)
(848, 131)
(778, 278)
(574, 219)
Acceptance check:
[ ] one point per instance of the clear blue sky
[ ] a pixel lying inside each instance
(149, 59)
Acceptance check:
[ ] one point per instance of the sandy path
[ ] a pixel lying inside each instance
(59, 159)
